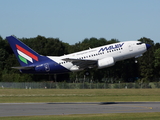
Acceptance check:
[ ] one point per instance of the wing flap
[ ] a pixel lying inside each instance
(82, 63)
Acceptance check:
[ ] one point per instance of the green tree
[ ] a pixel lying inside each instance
(146, 62)
(157, 58)
(157, 63)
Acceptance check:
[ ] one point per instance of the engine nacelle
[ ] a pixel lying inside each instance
(105, 62)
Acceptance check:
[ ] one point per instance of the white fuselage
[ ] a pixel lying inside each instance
(99, 57)
(116, 51)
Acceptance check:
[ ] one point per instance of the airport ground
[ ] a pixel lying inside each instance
(78, 95)
(82, 96)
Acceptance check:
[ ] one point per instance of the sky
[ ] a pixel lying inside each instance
(74, 20)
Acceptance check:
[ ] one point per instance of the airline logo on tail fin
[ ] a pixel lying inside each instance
(25, 55)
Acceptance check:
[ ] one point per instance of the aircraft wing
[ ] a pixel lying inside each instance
(82, 63)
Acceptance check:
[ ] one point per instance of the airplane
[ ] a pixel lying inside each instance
(99, 57)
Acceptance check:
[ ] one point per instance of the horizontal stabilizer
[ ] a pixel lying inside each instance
(24, 68)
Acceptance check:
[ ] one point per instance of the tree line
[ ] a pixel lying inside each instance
(142, 69)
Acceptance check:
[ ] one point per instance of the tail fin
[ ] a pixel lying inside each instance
(25, 55)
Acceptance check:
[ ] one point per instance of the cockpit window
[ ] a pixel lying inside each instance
(139, 43)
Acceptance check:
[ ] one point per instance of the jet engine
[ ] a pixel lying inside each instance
(105, 62)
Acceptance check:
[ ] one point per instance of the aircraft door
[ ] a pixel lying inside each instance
(46, 66)
(130, 46)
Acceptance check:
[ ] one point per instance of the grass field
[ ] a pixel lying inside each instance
(82, 95)
(78, 95)
(117, 116)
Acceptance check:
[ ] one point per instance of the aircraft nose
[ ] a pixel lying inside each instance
(148, 46)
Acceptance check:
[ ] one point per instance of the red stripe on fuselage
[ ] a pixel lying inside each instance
(27, 52)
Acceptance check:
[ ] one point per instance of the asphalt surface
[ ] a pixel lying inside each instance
(31, 109)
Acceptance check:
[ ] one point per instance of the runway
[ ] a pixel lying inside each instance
(31, 109)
